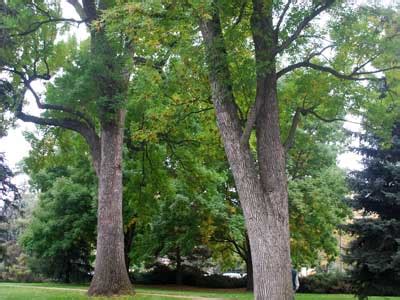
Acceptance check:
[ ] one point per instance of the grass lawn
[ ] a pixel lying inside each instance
(50, 291)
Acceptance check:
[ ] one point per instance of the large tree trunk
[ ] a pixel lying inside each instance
(264, 206)
(110, 275)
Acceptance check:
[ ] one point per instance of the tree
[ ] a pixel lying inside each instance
(276, 29)
(10, 207)
(31, 54)
(60, 235)
(374, 253)
(249, 49)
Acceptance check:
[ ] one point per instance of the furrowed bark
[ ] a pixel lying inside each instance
(266, 224)
(110, 272)
(110, 275)
(271, 162)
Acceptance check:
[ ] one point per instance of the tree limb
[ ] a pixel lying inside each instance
(241, 13)
(72, 124)
(282, 16)
(303, 24)
(352, 76)
(59, 107)
(288, 144)
(26, 80)
(36, 25)
(78, 8)
(251, 120)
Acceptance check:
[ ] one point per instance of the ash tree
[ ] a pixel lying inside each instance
(283, 36)
(93, 107)
(374, 255)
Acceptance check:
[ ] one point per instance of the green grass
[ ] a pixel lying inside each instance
(46, 291)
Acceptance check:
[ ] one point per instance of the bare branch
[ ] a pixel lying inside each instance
(306, 60)
(194, 112)
(72, 124)
(78, 8)
(330, 120)
(352, 76)
(251, 120)
(359, 67)
(282, 16)
(288, 144)
(303, 24)
(241, 13)
(36, 25)
(27, 83)
(59, 107)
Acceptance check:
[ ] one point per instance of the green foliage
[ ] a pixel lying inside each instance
(316, 209)
(61, 234)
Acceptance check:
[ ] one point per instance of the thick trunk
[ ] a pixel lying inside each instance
(110, 275)
(271, 159)
(273, 177)
(266, 220)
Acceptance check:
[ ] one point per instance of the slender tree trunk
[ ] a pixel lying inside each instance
(110, 275)
(128, 240)
(249, 267)
(264, 207)
(68, 272)
(179, 275)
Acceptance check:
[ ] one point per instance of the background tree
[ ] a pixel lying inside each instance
(11, 207)
(374, 253)
(60, 236)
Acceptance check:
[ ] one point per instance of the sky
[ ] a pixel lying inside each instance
(16, 147)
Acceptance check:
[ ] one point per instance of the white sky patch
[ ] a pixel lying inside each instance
(349, 160)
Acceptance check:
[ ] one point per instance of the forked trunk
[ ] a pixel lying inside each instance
(264, 206)
(110, 275)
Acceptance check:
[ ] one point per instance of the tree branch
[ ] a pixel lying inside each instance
(251, 119)
(351, 76)
(303, 24)
(78, 8)
(288, 144)
(82, 128)
(241, 13)
(26, 80)
(59, 107)
(36, 25)
(329, 120)
(282, 16)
